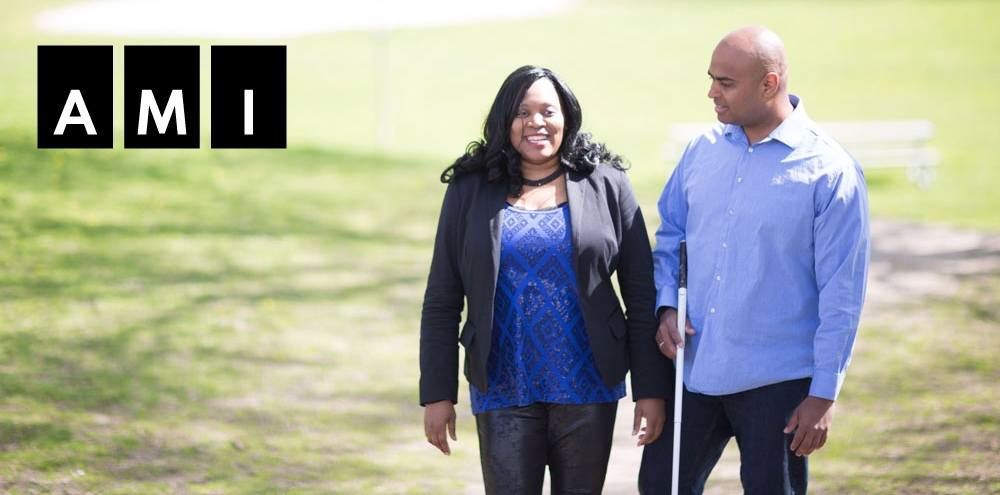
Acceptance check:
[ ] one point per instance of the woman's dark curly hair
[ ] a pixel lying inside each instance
(494, 153)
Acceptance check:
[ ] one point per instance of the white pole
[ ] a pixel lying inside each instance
(679, 365)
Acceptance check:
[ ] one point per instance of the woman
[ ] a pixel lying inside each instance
(535, 220)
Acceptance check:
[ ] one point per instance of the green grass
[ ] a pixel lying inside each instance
(156, 314)
(920, 412)
(208, 321)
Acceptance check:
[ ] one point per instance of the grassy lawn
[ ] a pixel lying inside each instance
(210, 326)
(245, 321)
(920, 412)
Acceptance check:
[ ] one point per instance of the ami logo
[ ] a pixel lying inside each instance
(162, 96)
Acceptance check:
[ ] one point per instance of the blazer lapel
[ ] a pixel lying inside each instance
(576, 195)
(496, 201)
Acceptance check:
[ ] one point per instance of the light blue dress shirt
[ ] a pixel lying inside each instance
(778, 245)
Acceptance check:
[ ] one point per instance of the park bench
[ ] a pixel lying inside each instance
(875, 144)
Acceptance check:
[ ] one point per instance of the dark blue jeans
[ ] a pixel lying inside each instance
(756, 418)
(573, 440)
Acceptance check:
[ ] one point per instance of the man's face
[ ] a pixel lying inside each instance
(737, 87)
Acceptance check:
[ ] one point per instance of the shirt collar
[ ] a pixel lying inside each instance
(790, 131)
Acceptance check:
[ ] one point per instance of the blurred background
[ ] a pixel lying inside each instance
(246, 321)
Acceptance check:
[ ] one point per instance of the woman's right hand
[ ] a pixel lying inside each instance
(439, 423)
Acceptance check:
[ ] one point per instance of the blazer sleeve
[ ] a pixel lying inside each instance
(442, 308)
(651, 372)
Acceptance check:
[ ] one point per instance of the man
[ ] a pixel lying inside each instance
(775, 215)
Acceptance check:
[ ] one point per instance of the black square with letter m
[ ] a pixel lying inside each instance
(162, 104)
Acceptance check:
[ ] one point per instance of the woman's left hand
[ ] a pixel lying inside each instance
(439, 424)
(654, 411)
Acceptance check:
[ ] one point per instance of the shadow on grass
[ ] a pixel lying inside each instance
(152, 287)
(13, 434)
(923, 382)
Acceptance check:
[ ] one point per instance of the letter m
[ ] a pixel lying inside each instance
(147, 107)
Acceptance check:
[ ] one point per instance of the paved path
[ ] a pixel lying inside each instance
(266, 19)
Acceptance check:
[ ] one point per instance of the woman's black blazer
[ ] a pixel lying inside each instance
(608, 235)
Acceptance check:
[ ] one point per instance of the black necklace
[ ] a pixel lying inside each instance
(544, 180)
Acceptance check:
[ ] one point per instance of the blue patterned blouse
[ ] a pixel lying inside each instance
(539, 351)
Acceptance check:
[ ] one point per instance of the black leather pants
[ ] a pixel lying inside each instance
(574, 440)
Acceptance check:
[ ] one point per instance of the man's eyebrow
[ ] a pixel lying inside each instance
(720, 78)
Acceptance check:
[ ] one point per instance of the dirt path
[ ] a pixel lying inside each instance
(910, 261)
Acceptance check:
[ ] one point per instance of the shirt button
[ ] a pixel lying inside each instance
(750, 150)
(739, 180)
(725, 244)
(712, 311)
(718, 278)
(731, 212)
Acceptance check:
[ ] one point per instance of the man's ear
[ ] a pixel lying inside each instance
(770, 84)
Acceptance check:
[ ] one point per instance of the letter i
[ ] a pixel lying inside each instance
(248, 112)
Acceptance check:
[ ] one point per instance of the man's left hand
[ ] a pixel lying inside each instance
(811, 423)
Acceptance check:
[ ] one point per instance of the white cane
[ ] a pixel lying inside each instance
(679, 382)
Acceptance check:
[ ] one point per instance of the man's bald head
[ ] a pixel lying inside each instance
(762, 47)
(750, 81)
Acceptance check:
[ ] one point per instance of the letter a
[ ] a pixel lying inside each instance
(147, 106)
(75, 98)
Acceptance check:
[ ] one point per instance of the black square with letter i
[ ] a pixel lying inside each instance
(249, 96)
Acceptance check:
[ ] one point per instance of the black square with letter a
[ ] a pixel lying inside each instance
(75, 94)
(249, 96)
(162, 105)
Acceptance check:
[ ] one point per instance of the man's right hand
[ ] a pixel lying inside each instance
(667, 337)
(439, 423)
